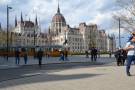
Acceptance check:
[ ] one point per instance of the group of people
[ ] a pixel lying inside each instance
(93, 53)
(39, 55)
(120, 56)
(64, 55)
(24, 53)
(18, 53)
(127, 53)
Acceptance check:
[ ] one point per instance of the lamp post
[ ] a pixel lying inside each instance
(65, 42)
(112, 43)
(8, 27)
(34, 38)
(119, 35)
(34, 44)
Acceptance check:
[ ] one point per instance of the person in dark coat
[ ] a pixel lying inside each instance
(66, 54)
(93, 54)
(39, 56)
(17, 56)
(87, 54)
(118, 56)
(124, 56)
(25, 55)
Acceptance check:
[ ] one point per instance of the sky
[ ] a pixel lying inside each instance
(75, 11)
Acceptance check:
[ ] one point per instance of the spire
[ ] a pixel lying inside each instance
(0, 26)
(15, 21)
(36, 21)
(29, 18)
(21, 18)
(49, 31)
(58, 10)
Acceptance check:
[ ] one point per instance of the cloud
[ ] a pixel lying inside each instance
(107, 5)
(73, 11)
(5, 1)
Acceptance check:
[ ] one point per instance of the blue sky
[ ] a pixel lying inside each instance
(75, 11)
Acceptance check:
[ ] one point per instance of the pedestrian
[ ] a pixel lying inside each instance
(25, 55)
(39, 56)
(61, 56)
(117, 56)
(87, 54)
(48, 54)
(121, 56)
(124, 56)
(17, 56)
(66, 55)
(93, 54)
(98, 52)
(110, 54)
(130, 48)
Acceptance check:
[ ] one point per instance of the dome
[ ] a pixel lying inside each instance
(58, 18)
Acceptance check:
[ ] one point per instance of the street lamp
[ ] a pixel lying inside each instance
(34, 43)
(119, 35)
(65, 42)
(7, 27)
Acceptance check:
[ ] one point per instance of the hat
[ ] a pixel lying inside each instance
(133, 33)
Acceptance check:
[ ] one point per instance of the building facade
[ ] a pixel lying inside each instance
(78, 39)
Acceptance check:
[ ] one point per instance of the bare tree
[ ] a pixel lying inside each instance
(126, 14)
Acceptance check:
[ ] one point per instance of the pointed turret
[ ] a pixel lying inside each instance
(15, 21)
(0, 26)
(21, 18)
(49, 30)
(36, 21)
(58, 10)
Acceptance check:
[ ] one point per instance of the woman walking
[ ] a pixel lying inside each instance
(130, 47)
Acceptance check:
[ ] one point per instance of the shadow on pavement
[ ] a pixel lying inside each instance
(33, 74)
(43, 78)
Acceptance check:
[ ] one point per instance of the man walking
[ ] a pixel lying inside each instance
(17, 57)
(39, 56)
(66, 55)
(25, 56)
(93, 54)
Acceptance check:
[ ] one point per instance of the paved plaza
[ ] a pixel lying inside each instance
(77, 74)
(51, 60)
